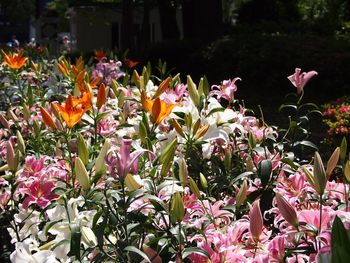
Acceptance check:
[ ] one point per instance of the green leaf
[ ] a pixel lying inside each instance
(137, 251)
(100, 116)
(288, 107)
(241, 176)
(194, 250)
(309, 144)
(264, 171)
(290, 163)
(75, 240)
(340, 242)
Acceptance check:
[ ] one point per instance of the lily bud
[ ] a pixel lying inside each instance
(203, 181)
(167, 156)
(347, 170)
(81, 174)
(319, 174)
(256, 221)
(101, 96)
(177, 207)
(55, 111)
(178, 128)
(287, 211)
(249, 164)
(194, 188)
(26, 112)
(242, 194)
(192, 90)
(83, 151)
(10, 156)
(20, 142)
(4, 122)
(11, 115)
(36, 128)
(183, 172)
(332, 162)
(88, 236)
(201, 132)
(162, 87)
(100, 165)
(47, 118)
(196, 126)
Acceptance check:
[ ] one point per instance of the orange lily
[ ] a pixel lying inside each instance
(15, 60)
(68, 70)
(84, 83)
(73, 109)
(100, 55)
(158, 109)
(131, 63)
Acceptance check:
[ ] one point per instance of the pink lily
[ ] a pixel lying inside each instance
(226, 90)
(123, 162)
(299, 80)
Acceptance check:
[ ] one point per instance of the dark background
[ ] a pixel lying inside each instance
(260, 41)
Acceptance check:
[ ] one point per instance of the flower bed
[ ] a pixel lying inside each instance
(102, 164)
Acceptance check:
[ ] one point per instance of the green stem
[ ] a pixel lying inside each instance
(320, 224)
